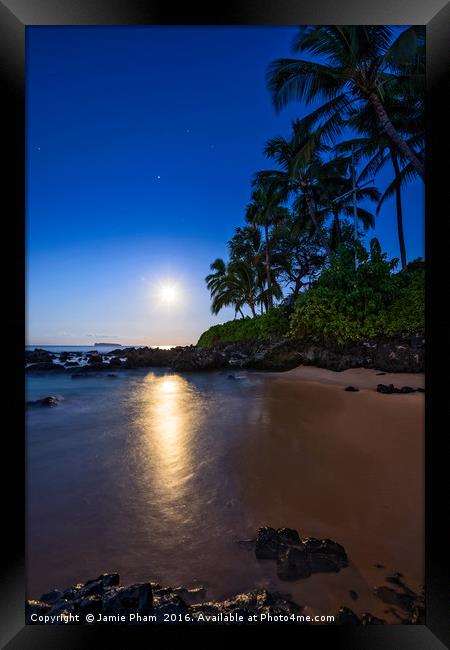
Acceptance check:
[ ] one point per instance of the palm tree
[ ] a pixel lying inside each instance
(232, 284)
(362, 65)
(266, 210)
(299, 174)
(335, 196)
(247, 245)
(377, 150)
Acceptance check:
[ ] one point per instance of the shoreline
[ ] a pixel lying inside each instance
(355, 474)
(332, 464)
(361, 378)
(395, 355)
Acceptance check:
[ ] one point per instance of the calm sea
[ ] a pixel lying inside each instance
(87, 348)
(158, 475)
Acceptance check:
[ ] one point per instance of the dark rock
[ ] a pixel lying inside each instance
(325, 555)
(267, 543)
(353, 594)
(71, 364)
(293, 563)
(146, 357)
(253, 602)
(51, 401)
(38, 356)
(397, 598)
(351, 389)
(298, 557)
(115, 362)
(45, 366)
(95, 358)
(99, 585)
(72, 592)
(389, 389)
(192, 596)
(197, 359)
(277, 357)
(52, 596)
(346, 616)
(90, 605)
(168, 604)
(288, 536)
(120, 600)
(386, 389)
(395, 578)
(370, 619)
(36, 607)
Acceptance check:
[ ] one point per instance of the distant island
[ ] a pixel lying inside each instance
(119, 345)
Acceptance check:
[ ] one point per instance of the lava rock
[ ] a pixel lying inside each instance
(389, 389)
(45, 366)
(351, 389)
(267, 543)
(120, 600)
(99, 585)
(38, 355)
(95, 358)
(36, 607)
(51, 596)
(293, 563)
(196, 359)
(298, 557)
(50, 401)
(288, 536)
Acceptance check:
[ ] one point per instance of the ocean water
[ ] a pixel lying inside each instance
(56, 349)
(158, 476)
(136, 474)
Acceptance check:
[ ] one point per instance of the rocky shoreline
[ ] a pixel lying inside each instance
(104, 600)
(402, 354)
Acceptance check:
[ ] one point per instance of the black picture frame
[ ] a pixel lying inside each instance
(15, 16)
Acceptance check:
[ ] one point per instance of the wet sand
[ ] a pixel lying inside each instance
(344, 465)
(157, 475)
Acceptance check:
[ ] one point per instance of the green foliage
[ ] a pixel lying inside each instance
(347, 304)
(273, 323)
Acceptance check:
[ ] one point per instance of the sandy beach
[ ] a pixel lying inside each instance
(345, 465)
(200, 459)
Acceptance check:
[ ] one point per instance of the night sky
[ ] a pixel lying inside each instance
(141, 147)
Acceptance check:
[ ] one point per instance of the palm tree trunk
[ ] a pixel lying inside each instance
(398, 202)
(312, 214)
(394, 135)
(268, 274)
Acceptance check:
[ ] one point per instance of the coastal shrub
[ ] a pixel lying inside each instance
(347, 304)
(344, 304)
(273, 323)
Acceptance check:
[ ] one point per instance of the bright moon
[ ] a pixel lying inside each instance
(168, 293)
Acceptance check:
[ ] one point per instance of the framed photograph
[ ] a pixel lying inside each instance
(226, 228)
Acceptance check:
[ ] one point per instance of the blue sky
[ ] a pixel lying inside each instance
(141, 146)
